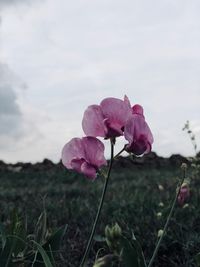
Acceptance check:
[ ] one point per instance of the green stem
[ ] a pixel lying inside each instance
(168, 220)
(118, 154)
(99, 208)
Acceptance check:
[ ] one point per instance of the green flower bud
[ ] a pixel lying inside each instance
(160, 233)
(113, 235)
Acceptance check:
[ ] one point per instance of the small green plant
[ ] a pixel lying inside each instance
(124, 251)
(18, 247)
(195, 161)
(195, 164)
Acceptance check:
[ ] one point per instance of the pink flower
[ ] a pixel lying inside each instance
(84, 155)
(184, 194)
(138, 133)
(107, 119)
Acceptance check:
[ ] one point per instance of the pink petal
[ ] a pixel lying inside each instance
(127, 101)
(88, 170)
(76, 164)
(116, 111)
(135, 127)
(94, 151)
(114, 129)
(72, 150)
(137, 109)
(129, 130)
(92, 122)
(139, 135)
(139, 147)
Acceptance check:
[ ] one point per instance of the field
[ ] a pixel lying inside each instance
(138, 198)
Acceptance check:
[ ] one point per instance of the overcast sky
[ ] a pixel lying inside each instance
(58, 57)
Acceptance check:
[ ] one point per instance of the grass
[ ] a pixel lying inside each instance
(133, 200)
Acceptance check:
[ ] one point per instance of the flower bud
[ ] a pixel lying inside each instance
(113, 232)
(159, 214)
(113, 235)
(161, 204)
(160, 187)
(160, 233)
(184, 194)
(183, 166)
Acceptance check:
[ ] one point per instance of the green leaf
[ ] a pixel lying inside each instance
(52, 245)
(11, 246)
(3, 235)
(138, 248)
(132, 256)
(44, 255)
(99, 238)
(55, 239)
(197, 259)
(41, 228)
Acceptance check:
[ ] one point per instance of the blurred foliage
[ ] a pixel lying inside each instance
(20, 248)
(136, 194)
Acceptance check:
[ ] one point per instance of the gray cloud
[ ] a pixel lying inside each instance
(10, 115)
(11, 118)
(11, 2)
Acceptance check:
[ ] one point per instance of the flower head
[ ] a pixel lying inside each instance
(138, 133)
(84, 155)
(184, 194)
(107, 119)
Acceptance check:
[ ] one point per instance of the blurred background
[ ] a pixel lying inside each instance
(58, 57)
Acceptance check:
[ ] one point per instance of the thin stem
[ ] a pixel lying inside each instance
(168, 220)
(118, 154)
(99, 208)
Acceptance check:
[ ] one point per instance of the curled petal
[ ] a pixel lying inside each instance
(137, 109)
(116, 111)
(76, 164)
(139, 147)
(138, 134)
(113, 129)
(94, 151)
(127, 101)
(88, 170)
(72, 150)
(92, 122)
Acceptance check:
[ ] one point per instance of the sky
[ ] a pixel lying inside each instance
(58, 57)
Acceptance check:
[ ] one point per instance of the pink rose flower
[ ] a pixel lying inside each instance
(184, 194)
(138, 133)
(107, 119)
(84, 155)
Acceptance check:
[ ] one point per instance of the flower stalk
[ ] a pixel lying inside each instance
(89, 243)
(169, 217)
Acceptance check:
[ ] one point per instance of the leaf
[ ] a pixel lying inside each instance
(52, 245)
(41, 228)
(3, 235)
(99, 238)
(11, 246)
(55, 239)
(132, 255)
(44, 255)
(138, 248)
(197, 259)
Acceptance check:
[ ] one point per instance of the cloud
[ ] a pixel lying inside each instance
(4, 3)
(10, 114)
(15, 125)
(18, 126)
